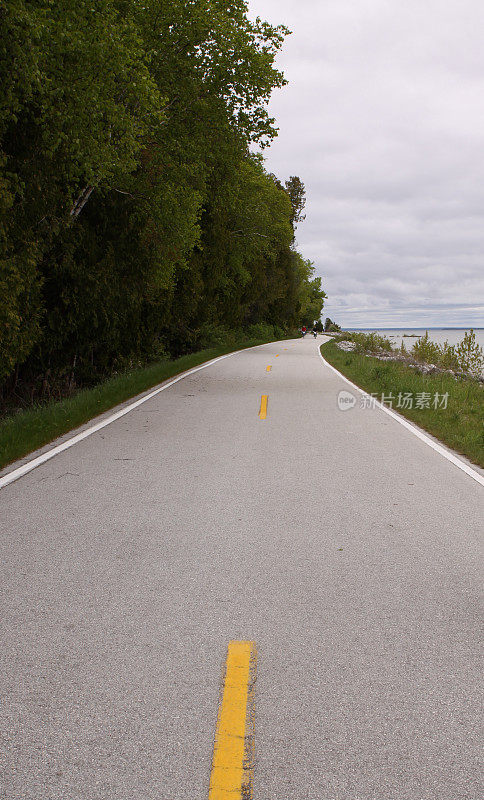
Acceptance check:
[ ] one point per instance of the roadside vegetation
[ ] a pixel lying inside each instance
(466, 359)
(31, 428)
(137, 220)
(368, 342)
(458, 420)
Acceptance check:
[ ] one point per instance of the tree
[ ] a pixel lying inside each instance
(76, 104)
(297, 194)
(329, 325)
(132, 212)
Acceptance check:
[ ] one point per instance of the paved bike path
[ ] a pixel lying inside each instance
(346, 548)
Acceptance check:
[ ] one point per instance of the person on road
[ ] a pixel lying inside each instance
(303, 330)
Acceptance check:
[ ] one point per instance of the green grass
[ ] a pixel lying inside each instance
(27, 430)
(460, 425)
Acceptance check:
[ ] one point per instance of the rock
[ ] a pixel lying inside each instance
(423, 369)
(428, 369)
(348, 347)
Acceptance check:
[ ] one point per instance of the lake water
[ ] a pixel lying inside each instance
(438, 335)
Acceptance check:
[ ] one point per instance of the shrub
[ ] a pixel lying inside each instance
(448, 357)
(370, 342)
(466, 356)
(217, 335)
(209, 335)
(426, 351)
(261, 330)
(470, 356)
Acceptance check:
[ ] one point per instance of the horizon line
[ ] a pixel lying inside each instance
(413, 327)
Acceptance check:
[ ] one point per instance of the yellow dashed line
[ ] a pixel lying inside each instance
(268, 368)
(277, 356)
(263, 407)
(232, 768)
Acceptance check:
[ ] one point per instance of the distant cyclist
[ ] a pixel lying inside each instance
(304, 330)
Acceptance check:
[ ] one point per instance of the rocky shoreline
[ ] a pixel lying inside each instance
(396, 355)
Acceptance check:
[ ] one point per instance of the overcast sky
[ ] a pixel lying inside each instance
(383, 120)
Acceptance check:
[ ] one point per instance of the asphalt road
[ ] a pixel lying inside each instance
(344, 546)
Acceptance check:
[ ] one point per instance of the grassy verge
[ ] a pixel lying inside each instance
(460, 425)
(25, 431)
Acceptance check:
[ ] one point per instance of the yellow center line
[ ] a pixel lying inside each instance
(277, 356)
(232, 765)
(263, 407)
(268, 368)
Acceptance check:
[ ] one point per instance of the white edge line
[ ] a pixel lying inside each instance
(10, 477)
(416, 431)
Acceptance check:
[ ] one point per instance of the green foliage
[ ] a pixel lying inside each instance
(330, 326)
(369, 342)
(448, 358)
(469, 355)
(466, 357)
(310, 295)
(425, 350)
(262, 330)
(297, 195)
(134, 222)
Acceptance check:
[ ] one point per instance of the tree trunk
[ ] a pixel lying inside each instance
(81, 201)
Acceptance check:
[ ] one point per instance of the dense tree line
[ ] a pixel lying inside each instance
(135, 219)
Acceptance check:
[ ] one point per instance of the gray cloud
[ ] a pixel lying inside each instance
(383, 120)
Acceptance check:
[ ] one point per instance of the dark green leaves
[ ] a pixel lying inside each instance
(132, 217)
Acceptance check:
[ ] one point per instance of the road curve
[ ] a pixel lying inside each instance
(342, 545)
